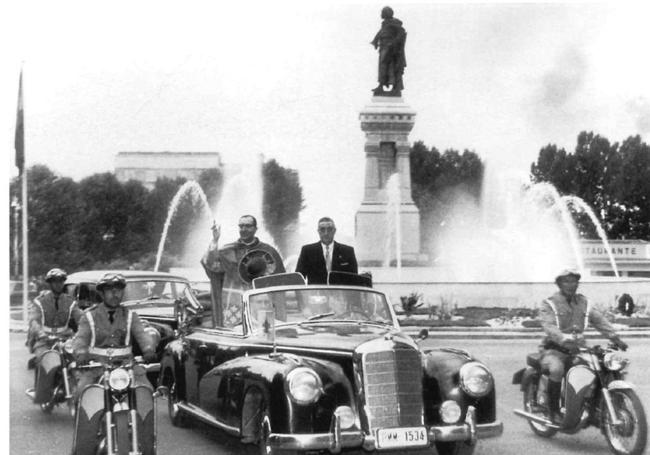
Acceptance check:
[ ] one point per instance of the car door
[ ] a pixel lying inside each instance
(206, 349)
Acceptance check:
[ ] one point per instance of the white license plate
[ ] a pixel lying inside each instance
(402, 437)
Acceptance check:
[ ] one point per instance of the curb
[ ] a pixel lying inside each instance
(505, 334)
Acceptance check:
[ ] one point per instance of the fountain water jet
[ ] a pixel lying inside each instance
(189, 187)
(242, 195)
(543, 190)
(581, 205)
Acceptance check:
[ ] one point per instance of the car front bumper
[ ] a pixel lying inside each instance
(337, 439)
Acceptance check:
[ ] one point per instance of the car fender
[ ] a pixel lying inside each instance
(268, 373)
(442, 365)
(442, 382)
(171, 366)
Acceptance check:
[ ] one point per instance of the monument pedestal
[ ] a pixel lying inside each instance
(387, 122)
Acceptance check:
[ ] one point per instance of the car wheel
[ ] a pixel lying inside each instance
(176, 415)
(263, 432)
(455, 448)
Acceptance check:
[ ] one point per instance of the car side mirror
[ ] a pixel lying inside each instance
(423, 335)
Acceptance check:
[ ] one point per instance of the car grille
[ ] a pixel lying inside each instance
(393, 388)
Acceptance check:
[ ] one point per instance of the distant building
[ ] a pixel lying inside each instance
(147, 167)
(632, 257)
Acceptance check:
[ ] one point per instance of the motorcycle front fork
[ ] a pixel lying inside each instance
(607, 397)
(110, 444)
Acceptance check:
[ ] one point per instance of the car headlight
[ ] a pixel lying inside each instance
(450, 411)
(119, 379)
(614, 361)
(475, 379)
(304, 385)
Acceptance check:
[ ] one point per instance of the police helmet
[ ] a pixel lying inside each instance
(56, 274)
(110, 279)
(566, 273)
(386, 12)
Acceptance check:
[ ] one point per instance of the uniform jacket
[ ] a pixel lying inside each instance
(311, 262)
(96, 333)
(52, 314)
(559, 316)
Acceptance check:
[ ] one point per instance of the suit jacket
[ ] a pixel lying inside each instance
(311, 262)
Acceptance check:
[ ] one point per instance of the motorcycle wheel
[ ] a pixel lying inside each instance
(630, 437)
(176, 416)
(47, 407)
(529, 399)
(454, 448)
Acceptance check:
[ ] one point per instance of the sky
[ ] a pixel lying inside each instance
(288, 80)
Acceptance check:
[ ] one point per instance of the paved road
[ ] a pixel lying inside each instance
(32, 432)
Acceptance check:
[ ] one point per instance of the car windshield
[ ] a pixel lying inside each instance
(155, 290)
(320, 305)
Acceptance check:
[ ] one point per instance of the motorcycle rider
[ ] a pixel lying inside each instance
(52, 312)
(564, 317)
(105, 330)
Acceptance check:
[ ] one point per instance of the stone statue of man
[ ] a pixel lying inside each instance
(390, 40)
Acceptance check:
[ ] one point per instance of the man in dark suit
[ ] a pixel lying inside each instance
(317, 259)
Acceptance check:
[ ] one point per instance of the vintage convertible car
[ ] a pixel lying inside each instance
(325, 368)
(150, 294)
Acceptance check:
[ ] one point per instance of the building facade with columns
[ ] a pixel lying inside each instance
(147, 167)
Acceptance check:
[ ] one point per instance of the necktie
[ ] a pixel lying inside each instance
(111, 316)
(328, 258)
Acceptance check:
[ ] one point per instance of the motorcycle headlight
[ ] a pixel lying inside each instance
(119, 379)
(475, 379)
(304, 385)
(614, 361)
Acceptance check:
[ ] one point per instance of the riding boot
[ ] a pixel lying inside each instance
(554, 392)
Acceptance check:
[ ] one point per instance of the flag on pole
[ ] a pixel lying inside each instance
(19, 143)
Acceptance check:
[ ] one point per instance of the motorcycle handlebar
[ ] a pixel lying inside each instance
(137, 360)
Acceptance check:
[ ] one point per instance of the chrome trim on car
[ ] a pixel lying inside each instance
(351, 439)
(392, 383)
(207, 418)
(336, 440)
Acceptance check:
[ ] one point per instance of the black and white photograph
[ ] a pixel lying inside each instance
(327, 227)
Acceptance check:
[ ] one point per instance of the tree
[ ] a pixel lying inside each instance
(629, 214)
(437, 181)
(106, 210)
(281, 203)
(611, 179)
(211, 181)
(53, 219)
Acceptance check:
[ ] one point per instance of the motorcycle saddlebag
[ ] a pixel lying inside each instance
(518, 376)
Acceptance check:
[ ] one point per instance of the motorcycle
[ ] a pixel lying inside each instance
(594, 392)
(117, 415)
(54, 380)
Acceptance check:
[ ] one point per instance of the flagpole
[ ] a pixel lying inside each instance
(20, 163)
(25, 251)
